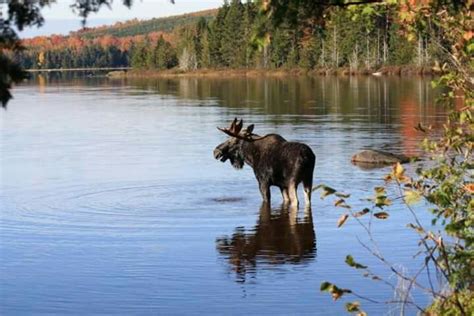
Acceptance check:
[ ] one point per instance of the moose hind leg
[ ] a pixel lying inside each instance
(284, 193)
(293, 194)
(265, 191)
(308, 189)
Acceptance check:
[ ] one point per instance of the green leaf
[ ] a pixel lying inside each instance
(335, 291)
(368, 10)
(398, 172)
(325, 286)
(343, 195)
(465, 116)
(470, 48)
(351, 262)
(353, 307)
(379, 190)
(412, 197)
(325, 190)
(381, 201)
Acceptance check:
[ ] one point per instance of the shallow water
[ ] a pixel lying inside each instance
(111, 201)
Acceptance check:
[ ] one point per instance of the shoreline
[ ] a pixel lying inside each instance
(402, 71)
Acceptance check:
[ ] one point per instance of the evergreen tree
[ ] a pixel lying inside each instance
(310, 53)
(216, 36)
(164, 54)
(140, 56)
(204, 54)
(233, 41)
(401, 52)
(186, 50)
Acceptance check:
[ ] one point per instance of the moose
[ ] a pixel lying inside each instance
(275, 161)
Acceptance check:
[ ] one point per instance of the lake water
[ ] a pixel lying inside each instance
(111, 201)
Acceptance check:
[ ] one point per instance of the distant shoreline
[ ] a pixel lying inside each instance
(78, 69)
(128, 72)
(224, 73)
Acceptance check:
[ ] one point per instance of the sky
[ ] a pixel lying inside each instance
(59, 18)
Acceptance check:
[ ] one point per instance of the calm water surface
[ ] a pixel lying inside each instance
(111, 201)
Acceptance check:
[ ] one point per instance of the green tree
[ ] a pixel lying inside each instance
(164, 55)
(401, 50)
(310, 52)
(205, 49)
(216, 36)
(140, 55)
(232, 49)
(186, 49)
(280, 46)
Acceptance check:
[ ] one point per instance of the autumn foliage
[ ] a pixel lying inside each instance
(104, 46)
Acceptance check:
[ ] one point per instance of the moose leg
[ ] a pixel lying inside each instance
(265, 191)
(284, 193)
(308, 189)
(307, 195)
(293, 194)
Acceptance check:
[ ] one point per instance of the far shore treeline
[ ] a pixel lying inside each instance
(361, 38)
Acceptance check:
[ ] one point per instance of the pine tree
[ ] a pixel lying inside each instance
(140, 56)
(216, 36)
(164, 54)
(187, 55)
(233, 43)
(202, 43)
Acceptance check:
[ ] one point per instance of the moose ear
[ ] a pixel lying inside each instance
(250, 128)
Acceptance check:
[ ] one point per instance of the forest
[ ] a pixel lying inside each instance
(359, 38)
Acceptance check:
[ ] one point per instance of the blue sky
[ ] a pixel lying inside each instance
(61, 20)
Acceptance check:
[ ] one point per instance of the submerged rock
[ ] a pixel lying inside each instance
(376, 158)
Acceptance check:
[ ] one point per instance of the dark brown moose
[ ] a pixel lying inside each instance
(274, 161)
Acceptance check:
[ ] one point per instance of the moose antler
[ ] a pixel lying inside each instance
(236, 127)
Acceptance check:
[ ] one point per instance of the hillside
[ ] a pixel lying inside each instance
(104, 46)
(139, 27)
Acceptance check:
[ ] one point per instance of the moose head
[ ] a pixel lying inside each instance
(231, 149)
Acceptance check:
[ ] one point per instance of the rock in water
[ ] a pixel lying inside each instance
(378, 157)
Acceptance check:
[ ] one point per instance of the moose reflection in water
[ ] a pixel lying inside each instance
(274, 161)
(279, 237)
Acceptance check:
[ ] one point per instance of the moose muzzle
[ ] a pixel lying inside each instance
(219, 155)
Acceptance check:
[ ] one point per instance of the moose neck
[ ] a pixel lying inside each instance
(251, 152)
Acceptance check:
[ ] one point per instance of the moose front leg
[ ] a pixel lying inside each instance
(265, 191)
